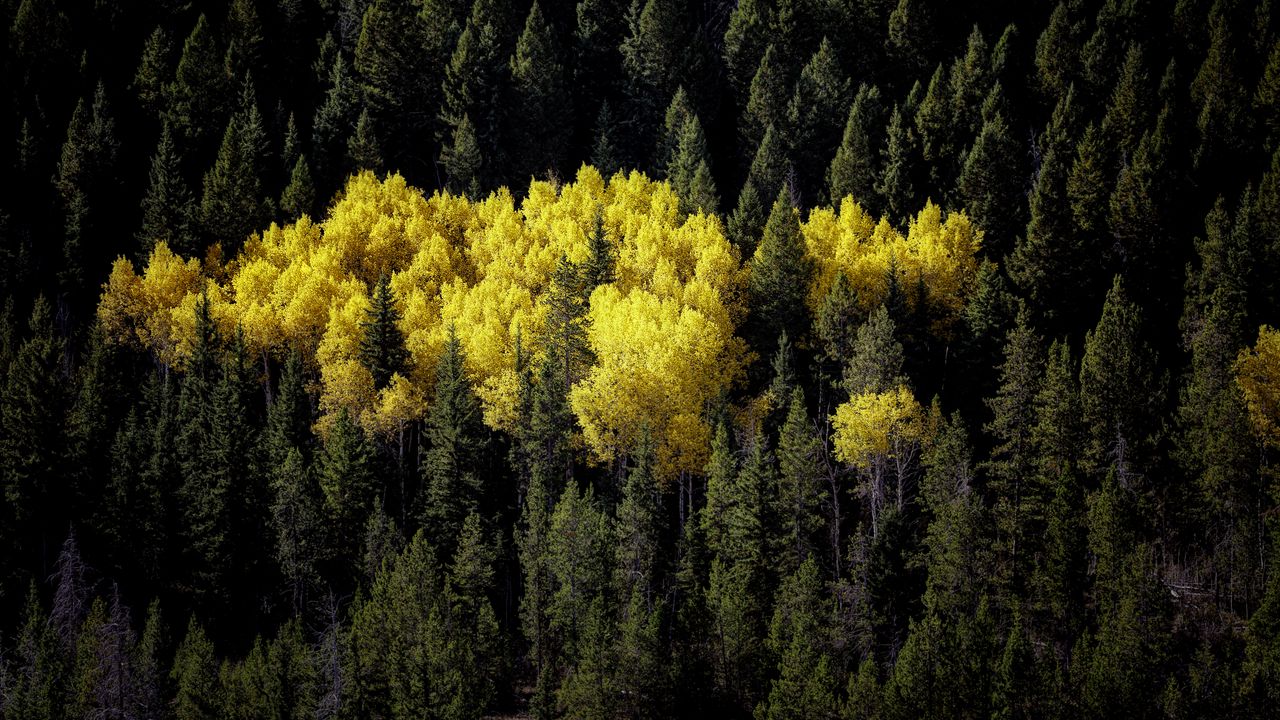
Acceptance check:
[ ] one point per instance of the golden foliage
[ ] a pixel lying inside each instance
(870, 424)
(1258, 374)
(937, 253)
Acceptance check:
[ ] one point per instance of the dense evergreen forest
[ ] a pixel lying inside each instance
(540, 358)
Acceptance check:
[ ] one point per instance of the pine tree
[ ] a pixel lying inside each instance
(746, 223)
(32, 445)
(392, 57)
(335, 122)
(382, 349)
(472, 97)
(299, 196)
(1058, 52)
(1015, 507)
(463, 161)
(896, 186)
(654, 56)
(780, 276)
(344, 470)
(771, 169)
(821, 95)
(1119, 392)
(745, 41)
(198, 98)
(805, 686)
(153, 72)
(853, 171)
(195, 677)
(604, 150)
(801, 491)
(167, 208)
(690, 173)
(909, 44)
(86, 183)
(541, 121)
(233, 205)
(454, 444)
(767, 100)
(991, 185)
(678, 113)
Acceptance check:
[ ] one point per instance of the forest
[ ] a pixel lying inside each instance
(774, 359)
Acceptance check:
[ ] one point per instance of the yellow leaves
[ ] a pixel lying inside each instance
(140, 310)
(870, 424)
(937, 253)
(658, 365)
(1258, 374)
(664, 331)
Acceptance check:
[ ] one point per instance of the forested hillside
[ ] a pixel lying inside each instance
(772, 358)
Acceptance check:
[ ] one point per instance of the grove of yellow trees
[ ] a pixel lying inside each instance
(662, 333)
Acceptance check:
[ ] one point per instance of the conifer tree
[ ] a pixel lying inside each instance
(198, 98)
(454, 444)
(909, 43)
(382, 349)
(655, 54)
(805, 686)
(853, 171)
(771, 168)
(1015, 507)
(745, 41)
(1058, 52)
(780, 276)
(1118, 389)
(605, 155)
(991, 184)
(798, 456)
(32, 446)
(392, 57)
(33, 691)
(690, 173)
(746, 224)
(896, 186)
(299, 196)
(463, 161)
(195, 677)
(345, 473)
(821, 95)
(541, 121)
(678, 113)
(167, 208)
(234, 205)
(85, 181)
(149, 83)
(335, 121)
(767, 100)
(472, 97)
(364, 151)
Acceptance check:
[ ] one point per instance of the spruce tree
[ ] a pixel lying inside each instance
(1015, 507)
(346, 475)
(382, 349)
(766, 104)
(299, 196)
(780, 275)
(195, 677)
(364, 151)
(800, 489)
(471, 109)
(812, 119)
(690, 173)
(234, 205)
(991, 184)
(678, 113)
(87, 185)
(335, 122)
(167, 207)
(149, 82)
(463, 161)
(854, 169)
(896, 186)
(605, 155)
(392, 57)
(454, 443)
(199, 97)
(746, 223)
(805, 686)
(541, 117)
(745, 41)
